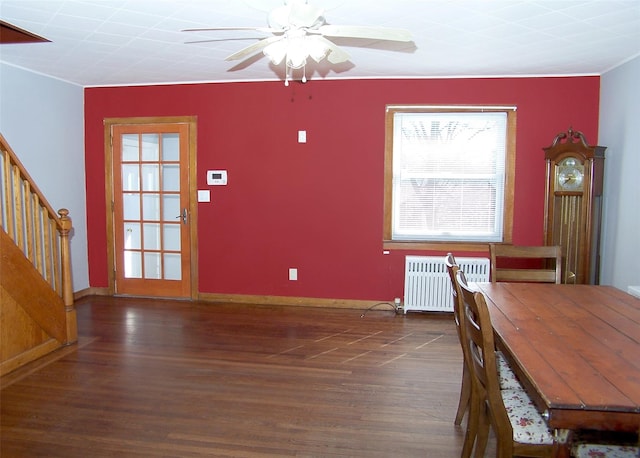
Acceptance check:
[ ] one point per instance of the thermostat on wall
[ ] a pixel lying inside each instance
(216, 177)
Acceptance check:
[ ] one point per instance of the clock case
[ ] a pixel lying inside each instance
(573, 218)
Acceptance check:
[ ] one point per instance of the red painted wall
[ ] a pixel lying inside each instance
(318, 206)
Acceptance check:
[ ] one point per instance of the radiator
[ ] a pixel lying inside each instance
(427, 287)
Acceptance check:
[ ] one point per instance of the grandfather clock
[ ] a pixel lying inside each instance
(573, 204)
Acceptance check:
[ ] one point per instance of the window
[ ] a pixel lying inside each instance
(449, 174)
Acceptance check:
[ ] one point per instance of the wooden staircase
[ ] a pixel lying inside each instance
(37, 314)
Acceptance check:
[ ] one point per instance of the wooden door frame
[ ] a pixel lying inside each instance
(193, 215)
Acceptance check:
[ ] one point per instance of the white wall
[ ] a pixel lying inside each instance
(42, 119)
(620, 133)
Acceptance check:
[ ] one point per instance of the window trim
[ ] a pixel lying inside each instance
(509, 185)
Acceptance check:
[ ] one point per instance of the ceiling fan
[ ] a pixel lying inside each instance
(299, 32)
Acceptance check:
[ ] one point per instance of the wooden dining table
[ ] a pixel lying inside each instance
(575, 348)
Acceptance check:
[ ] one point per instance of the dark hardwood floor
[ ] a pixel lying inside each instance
(180, 379)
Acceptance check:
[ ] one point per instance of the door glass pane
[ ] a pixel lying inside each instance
(132, 264)
(151, 236)
(150, 148)
(172, 267)
(131, 206)
(150, 177)
(130, 148)
(130, 177)
(171, 177)
(132, 236)
(171, 237)
(151, 207)
(152, 266)
(171, 208)
(170, 147)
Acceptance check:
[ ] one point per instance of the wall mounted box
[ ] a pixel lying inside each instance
(216, 177)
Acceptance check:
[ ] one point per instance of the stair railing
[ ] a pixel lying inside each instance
(40, 233)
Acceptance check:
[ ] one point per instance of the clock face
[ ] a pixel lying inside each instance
(570, 175)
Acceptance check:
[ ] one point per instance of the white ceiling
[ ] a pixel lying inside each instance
(126, 42)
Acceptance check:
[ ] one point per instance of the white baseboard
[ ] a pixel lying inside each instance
(634, 291)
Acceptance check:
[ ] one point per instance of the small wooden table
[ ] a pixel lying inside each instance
(576, 349)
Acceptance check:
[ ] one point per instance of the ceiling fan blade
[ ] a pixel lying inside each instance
(356, 31)
(336, 54)
(258, 29)
(213, 40)
(254, 48)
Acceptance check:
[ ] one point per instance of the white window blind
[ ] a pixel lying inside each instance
(448, 175)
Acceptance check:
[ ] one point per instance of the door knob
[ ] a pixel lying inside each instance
(183, 216)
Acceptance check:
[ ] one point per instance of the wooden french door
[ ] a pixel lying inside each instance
(152, 217)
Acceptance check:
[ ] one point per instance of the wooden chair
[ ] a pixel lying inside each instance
(541, 263)
(508, 379)
(609, 451)
(609, 444)
(503, 410)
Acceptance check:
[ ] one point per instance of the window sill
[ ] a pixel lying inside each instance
(436, 246)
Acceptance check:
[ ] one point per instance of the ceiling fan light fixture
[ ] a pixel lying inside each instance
(316, 48)
(296, 52)
(276, 52)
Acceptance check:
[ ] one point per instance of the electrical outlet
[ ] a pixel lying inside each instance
(293, 274)
(397, 304)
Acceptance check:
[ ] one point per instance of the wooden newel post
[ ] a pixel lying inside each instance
(67, 282)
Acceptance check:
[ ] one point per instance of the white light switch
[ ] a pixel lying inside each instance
(302, 136)
(204, 195)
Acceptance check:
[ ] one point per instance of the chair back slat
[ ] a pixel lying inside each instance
(539, 264)
(452, 269)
